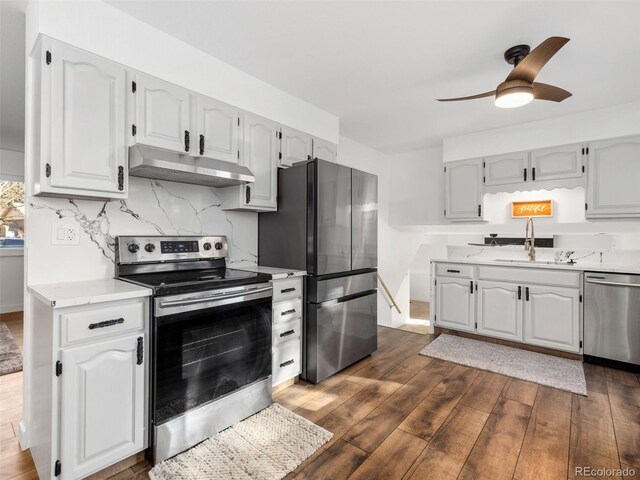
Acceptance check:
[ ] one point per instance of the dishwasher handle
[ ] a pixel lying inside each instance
(616, 284)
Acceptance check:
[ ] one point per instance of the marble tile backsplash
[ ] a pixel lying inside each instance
(153, 208)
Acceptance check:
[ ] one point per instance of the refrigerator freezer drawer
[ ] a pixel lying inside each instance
(320, 290)
(339, 335)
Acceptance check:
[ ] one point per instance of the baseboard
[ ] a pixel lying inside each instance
(23, 437)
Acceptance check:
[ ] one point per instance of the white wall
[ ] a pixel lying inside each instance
(11, 279)
(11, 165)
(598, 124)
(104, 30)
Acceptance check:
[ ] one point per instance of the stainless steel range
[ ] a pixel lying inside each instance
(210, 332)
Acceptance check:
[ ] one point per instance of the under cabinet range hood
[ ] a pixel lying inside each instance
(152, 162)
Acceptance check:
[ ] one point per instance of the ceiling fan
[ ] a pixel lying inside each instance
(519, 87)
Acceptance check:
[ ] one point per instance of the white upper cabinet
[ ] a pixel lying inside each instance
(463, 190)
(102, 405)
(217, 126)
(557, 163)
(83, 143)
(324, 150)
(500, 310)
(261, 145)
(614, 178)
(552, 317)
(506, 169)
(162, 115)
(455, 305)
(295, 147)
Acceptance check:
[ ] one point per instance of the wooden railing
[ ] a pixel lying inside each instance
(389, 296)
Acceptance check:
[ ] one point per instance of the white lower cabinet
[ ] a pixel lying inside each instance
(102, 404)
(287, 329)
(552, 317)
(89, 379)
(500, 310)
(455, 306)
(535, 306)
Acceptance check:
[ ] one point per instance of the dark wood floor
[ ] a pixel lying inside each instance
(399, 415)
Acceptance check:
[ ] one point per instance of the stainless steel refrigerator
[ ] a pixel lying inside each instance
(327, 224)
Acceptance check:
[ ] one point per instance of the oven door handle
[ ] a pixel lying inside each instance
(213, 298)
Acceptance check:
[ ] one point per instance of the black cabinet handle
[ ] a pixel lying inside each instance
(287, 333)
(288, 312)
(471, 287)
(525, 174)
(453, 271)
(533, 173)
(120, 178)
(248, 194)
(140, 350)
(106, 323)
(526, 293)
(187, 141)
(288, 362)
(201, 144)
(287, 290)
(519, 293)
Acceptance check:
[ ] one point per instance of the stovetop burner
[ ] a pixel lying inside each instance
(170, 265)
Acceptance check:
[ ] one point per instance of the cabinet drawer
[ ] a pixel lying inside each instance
(287, 310)
(454, 270)
(286, 289)
(286, 361)
(101, 321)
(544, 276)
(285, 332)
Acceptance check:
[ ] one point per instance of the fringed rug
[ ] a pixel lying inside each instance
(548, 370)
(10, 355)
(265, 446)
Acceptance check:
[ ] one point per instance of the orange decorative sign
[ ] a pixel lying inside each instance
(533, 208)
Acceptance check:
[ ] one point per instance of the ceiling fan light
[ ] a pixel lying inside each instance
(514, 97)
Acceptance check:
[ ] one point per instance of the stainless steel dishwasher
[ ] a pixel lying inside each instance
(612, 318)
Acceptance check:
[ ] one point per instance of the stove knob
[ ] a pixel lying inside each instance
(206, 246)
(133, 248)
(219, 245)
(149, 247)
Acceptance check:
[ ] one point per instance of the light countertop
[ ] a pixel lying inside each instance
(73, 294)
(276, 273)
(578, 266)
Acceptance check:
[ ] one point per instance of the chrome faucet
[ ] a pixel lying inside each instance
(530, 243)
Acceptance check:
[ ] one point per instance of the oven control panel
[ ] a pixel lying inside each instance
(131, 249)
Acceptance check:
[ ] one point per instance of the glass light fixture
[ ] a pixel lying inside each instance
(514, 97)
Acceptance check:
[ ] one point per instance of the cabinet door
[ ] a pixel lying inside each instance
(218, 130)
(552, 317)
(614, 178)
(88, 136)
(295, 147)
(324, 150)
(261, 137)
(500, 310)
(102, 405)
(455, 306)
(463, 187)
(556, 163)
(162, 115)
(507, 169)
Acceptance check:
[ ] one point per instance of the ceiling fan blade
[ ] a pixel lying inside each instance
(471, 97)
(543, 91)
(531, 65)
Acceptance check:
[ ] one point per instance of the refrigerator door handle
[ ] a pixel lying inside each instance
(336, 301)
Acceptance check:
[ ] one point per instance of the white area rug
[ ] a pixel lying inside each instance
(548, 370)
(265, 446)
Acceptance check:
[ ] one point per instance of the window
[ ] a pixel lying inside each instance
(11, 214)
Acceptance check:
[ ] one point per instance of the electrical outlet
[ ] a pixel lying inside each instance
(65, 234)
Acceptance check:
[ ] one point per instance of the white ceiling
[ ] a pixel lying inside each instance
(12, 59)
(380, 65)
